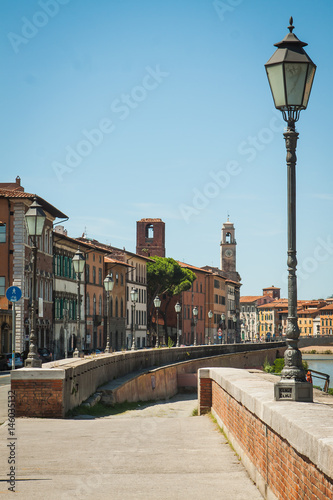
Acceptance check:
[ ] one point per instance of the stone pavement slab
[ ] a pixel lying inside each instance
(155, 452)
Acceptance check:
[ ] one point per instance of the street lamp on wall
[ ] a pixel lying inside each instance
(234, 319)
(108, 285)
(223, 328)
(134, 299)
(290, 73)
(210, 315)
(195, 318)
(178, 308)
(157, 304)
(34, 219)
(78, 264)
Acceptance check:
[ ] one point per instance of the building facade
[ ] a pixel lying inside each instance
(16, 266)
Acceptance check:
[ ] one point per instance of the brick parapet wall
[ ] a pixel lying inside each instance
(287, 447)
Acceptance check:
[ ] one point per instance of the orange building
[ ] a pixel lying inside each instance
(16, 268)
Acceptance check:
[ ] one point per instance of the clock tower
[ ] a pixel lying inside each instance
(228, 248)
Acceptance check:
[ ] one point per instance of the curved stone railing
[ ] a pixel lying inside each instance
(59, 386)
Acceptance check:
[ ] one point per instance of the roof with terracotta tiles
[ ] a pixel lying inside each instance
(189, 266)
(250, 298)
(329, 307)
(115, 261)
(15, 194)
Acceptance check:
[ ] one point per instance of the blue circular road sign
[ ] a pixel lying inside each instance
(13, 293)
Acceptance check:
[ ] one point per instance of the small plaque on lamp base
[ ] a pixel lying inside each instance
(292, 390)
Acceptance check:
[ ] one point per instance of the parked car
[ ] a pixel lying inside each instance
(18, 360)
(3, 362)
(44, 354)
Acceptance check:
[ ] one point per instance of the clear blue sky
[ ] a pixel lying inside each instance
(187, 127)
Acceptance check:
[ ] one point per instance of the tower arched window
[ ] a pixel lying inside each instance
(100, 305)
(150, 231)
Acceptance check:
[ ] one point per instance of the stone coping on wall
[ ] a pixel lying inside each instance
(38, 374)
(307, 427)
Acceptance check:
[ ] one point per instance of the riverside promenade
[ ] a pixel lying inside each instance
(157, 451)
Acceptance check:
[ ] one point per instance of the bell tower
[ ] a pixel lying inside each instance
(150, 237)
(228, 248)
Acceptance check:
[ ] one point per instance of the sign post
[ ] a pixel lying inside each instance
(13, 294)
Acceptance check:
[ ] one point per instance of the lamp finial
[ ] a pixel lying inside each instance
(291, 27)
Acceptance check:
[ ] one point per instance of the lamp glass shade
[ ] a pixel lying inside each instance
(178, 308)
(157, 302)
(291, 84)
(195, 311)
(210, 314)
(108, 283)
(234, 319)
(35, 219)
(134, 295)
(78, 262)
(222, 316)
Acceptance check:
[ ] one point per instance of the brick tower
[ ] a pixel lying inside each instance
(150, 237)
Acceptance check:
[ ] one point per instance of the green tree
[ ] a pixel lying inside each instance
(165, 277)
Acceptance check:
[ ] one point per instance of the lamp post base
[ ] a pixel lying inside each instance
(33, 362)
(293, 390)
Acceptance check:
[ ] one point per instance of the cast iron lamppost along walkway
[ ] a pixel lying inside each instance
(178, 308)
(210, 315)
(34, 219)
(134, 299)
(108, 285)
(290, 73)
(157, 304)
(195, 319)
(78, 264)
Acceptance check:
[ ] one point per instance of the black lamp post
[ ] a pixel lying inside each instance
(290, 73)
(234, 319)
(210, 315)
(157, 304)
(34, 219)
(78, 264)
(223, 328)
(178, 308)
(108, 285)
(195, 319)
(134, 299)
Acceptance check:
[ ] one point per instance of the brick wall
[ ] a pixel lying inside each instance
(38, 398)
(281, 470)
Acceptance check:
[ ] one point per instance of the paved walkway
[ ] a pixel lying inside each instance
(155, 452)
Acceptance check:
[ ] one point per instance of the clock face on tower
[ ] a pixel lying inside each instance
(228, 252)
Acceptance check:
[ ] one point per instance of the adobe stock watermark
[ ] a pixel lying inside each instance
(121, 108)
(30, 27)
(220, 180)
(322, 252)
(225, 7)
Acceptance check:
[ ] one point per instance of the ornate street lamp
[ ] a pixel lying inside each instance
(78, 264)
(195, 319)
(234, 319)
(134, 299)
(290, 73)
(157, 304)
(34, 219)
(223, 328)
(108, 285)
(178, 308)
(210, 315)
